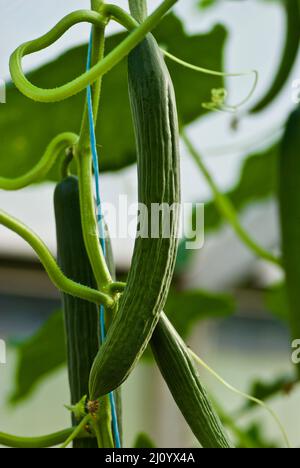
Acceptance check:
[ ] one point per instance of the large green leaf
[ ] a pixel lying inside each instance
(265, 390)
(26, 127)
(254, 433)
(39, 356)
(258, 181)
(185, 309)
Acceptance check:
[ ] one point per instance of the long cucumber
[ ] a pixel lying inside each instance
(81, 317)
(181, 376)
(156, 129)
(289, 198)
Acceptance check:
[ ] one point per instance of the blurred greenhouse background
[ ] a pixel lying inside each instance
(247, 342)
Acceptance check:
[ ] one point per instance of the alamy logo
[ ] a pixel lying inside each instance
(2, 92)
(296, 353)
(130, 220)
(2, 352)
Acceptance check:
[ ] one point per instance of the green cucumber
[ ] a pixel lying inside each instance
(289, 198)
(138, 9)
(81, 317)
(175, 363)
(289, 56)
(181, 376)
(156, 129)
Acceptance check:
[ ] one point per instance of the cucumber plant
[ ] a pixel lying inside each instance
(84, 270)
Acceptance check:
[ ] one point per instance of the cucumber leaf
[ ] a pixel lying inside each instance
(39, 356)
(186, 308)
(143, 441)
(257, 182)
(26, 127)
(266, 389)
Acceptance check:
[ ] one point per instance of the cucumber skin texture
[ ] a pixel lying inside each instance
(182, 378)
(156, 129)
(289, 56)
(81, 317)
(289, 198)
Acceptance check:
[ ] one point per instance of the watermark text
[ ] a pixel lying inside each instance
(296, 352)
(154, 221)
(2, 352)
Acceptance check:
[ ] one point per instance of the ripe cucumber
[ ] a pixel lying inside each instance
(177, 368)
(289, 56)
(156, 129)
(289, 198)
(81, 317)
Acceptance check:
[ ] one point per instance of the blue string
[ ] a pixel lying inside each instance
(100, 227)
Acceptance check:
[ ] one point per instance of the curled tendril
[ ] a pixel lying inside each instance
(54, 150)
(219, 95)
(138, 33)
(54, 272)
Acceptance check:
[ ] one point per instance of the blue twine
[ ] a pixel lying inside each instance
(100, 227)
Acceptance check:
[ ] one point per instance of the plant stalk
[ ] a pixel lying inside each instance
(88, 214)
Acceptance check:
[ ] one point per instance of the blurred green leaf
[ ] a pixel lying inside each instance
(143, 441)
(257, 182)
(254, 433)
(27, 127)
(264, 390)
(204, 4)
(186, 308)
(43, 353)
(276, 301)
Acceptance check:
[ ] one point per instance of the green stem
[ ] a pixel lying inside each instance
(102, 424)
(98, 70)
(113, 12)
(55, 274)
(75, 433)
(225, 206)
(84, 165)
(47, 441)
(103, 427)
(117, 287)
(38, 173)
